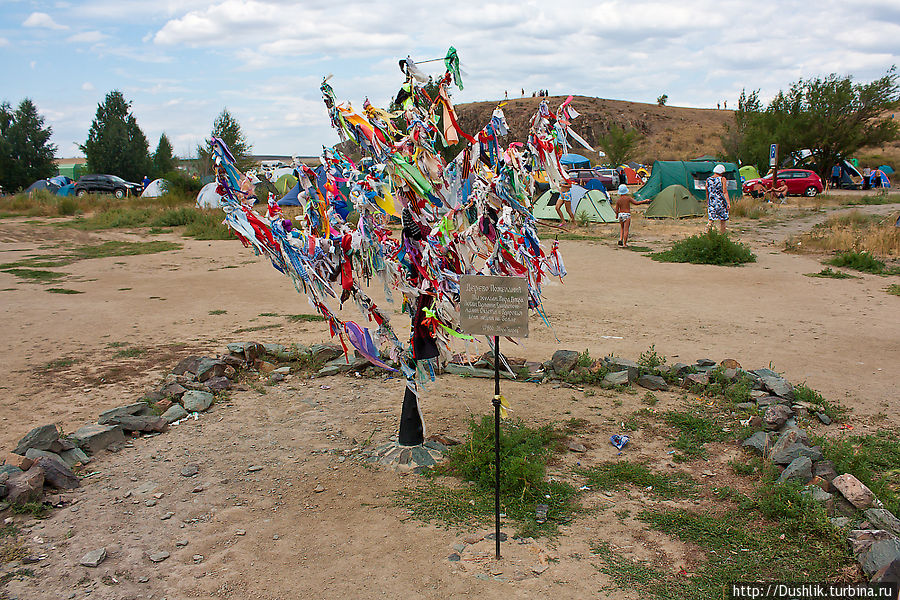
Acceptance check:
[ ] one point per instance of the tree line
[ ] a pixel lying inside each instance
(115, 145)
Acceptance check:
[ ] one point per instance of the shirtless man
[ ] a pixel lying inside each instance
(564, 199)
(623, 212)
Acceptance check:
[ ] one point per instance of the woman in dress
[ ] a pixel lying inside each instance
(717, 203)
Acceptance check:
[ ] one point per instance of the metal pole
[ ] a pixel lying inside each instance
(497, 444)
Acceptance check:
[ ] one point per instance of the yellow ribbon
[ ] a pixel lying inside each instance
(504, 406)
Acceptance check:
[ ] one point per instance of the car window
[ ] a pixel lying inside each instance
(116, 179)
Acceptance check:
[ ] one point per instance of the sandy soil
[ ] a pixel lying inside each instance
(842, 337)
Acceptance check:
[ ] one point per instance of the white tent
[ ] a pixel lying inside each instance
(208, 197)
(155, 188)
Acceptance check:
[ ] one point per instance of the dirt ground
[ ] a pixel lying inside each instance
(63, 363)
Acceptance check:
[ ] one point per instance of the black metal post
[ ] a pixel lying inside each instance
(496, 403)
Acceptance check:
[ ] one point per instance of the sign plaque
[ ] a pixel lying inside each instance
(494, 306)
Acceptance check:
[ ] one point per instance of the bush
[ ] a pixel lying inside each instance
(710, 248)
(861, 261)
(182, 183)
(67, 206)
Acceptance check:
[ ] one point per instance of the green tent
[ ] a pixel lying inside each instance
(676, 202)
(593, 206)
(691, 174)
(285, 183)
(749, 172)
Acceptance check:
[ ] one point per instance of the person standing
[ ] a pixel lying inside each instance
(836, 177)
(623, 213)
(145, 182)
(717, 203)
(565, 200)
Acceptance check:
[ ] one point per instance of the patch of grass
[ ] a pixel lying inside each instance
(59, 363)
(302, 318)
(218, 311)
(36, 275)
(63, 291)
(694, 432)
(750, 208)
(7, 577)
(130, 353)
(649, 399)
(35, 509)
(874, 459)
(112, 248)
(269, 314)
(893, 289)
(639, 248)
(829, 273)
(862, 261)
(851, 232)
(9, 530)
(869, 200)
(257, 328)
(524, 452)
(802, 393)
(613, 475)
(710, 248)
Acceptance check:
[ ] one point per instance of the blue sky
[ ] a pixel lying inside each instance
(180, 62)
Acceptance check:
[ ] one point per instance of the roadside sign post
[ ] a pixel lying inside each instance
(494, 306)
(773, 164)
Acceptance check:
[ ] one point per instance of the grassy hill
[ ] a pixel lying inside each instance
(670, 132)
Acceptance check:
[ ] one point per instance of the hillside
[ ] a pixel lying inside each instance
(670, 132)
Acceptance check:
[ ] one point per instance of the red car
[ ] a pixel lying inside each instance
(800, 182)
(606, 178)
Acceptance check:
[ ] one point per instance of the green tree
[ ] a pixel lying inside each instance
(227, 128)
(26, 153)
(831, 116)
(163, 158)
(116, 144)
(619, 144)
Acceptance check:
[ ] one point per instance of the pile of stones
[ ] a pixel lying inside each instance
(46, 458)
(873, 531)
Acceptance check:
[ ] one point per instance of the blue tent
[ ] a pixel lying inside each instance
(887, 169)
(60, 180)
(66, 190)
(291, 198)
(576, 161)
(42, 184)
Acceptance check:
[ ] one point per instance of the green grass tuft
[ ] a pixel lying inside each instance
(694, 432)
(710, 248)
(829, 273)
(35, 274)
(612, 475)
(862, 261)
(893, 289)
(874, 459)
(63, 291)
(304, 318)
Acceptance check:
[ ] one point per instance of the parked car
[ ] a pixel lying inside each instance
(607, 178)
(800, 182)
(106, 184)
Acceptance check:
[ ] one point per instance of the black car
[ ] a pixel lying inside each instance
(106, 184)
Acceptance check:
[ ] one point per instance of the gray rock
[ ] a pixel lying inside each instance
(760, 442)
(787, 455)
(94, 558)
(564, 361)
(145, 423)
(331, 370)
(236, 348)
(187, 365)
(653, 382)
(799, 470)
(9, 470)
(196, 401)
(617, 364)
(680, 368)
(776, 416)
(825, 469)
(615, 378)
(61, 445)
(137, 408)
(160, 556)
(730, 374)
(190, 470)
(174, 413)
(325, 352)
(208, 368)
(880, 555)
(218, 384)
(276, 350)
(41, 438)
(25, 487)
(705, 362)
(840, 522)
(95, 438)
(889, 574)
(466, 371)
(701, 379)
(56, 472)
(883, 519)
(817, 494)
(778, 386)
(825, 419)
(766, 401)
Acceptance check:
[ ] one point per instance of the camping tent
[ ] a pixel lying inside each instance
(675, 201)
(631, 176)
(209, 197)
(705, 158)
(748, 172)
(576, 161)
(887, 169)
(885, 182)
(155, 188)
(66, 190)
(284, 183)
(690, 174)
(292, 198)
(590, 204)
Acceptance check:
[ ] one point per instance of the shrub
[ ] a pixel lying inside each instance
(861, 261)
(67, 206)
(180, 182)
(710, 248)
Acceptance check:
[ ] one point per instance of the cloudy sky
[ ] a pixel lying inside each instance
(182, 61)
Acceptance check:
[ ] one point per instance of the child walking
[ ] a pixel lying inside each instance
(623, 212)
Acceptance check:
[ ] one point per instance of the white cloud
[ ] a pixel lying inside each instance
(32, 64)
(3, 42)
(87, 37)
(87, 86)
(42, 20)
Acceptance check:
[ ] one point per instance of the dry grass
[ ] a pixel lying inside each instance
(851, 232)
(45, 204)
(751, 208)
